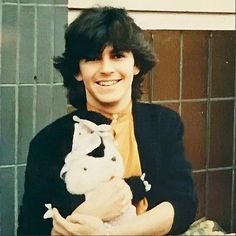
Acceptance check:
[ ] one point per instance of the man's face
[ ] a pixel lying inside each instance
(108, 78)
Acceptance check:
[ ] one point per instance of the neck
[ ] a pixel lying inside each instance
(108, 109)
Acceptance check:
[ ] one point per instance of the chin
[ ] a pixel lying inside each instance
(109, 100)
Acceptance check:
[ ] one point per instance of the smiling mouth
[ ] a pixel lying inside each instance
(107, 82)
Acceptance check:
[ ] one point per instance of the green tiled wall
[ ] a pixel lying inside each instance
(26, 44)
(31, 91)
(7, 122)
(7, 201)
(9, 41)
(25, 120)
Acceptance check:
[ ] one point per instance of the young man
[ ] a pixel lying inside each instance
(103, 65)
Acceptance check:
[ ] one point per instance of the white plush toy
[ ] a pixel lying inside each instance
(82, 173)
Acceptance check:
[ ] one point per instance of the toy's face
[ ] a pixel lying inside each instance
(88, 136)
(86, 172)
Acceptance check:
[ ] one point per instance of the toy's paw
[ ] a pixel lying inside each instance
(49, 212)
(145, 182)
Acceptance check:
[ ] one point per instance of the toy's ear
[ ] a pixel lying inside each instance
(77, 119)
(83, 140)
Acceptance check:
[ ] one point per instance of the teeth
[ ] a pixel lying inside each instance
(107, 83)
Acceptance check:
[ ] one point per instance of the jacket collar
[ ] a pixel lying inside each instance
(145, 134)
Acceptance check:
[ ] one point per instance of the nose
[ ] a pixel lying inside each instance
(107, 66)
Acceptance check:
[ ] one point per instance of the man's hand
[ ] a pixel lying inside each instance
(77, 224)
(108, 200)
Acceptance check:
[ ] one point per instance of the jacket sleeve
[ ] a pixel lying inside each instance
(30, 220)
(177, 185)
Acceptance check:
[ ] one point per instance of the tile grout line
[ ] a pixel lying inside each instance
(35, 72)
(234, 151)
(181, 71)
(34, 4)
(51, 64)
(196, 100)
(11, 166)
(150, 77)
(23, 84)
(208, 136)
(213, 169)
(1, 27)
(17, 117)
(0, 61)
(194, 171)
(0, 79)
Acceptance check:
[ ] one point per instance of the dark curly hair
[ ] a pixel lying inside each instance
(89, 34)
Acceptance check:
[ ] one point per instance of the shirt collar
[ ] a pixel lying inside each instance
(113, 116)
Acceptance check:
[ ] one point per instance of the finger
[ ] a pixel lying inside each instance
(126, 187)
(81, 218)
(54, 232)
(62, 226)
(74, 218)
(57, 216)
(119, 186)
(87, 224)
(125, 201)
(58, 229)
(126, 207)
(126, 193)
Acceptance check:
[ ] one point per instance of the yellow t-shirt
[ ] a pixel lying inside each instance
(123, 127)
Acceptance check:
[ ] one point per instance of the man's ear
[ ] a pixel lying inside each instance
(78, 77)
(136, 70)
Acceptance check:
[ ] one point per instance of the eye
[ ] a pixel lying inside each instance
(118, 55)
(84, 168)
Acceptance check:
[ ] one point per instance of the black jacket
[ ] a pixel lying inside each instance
(159, 136)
